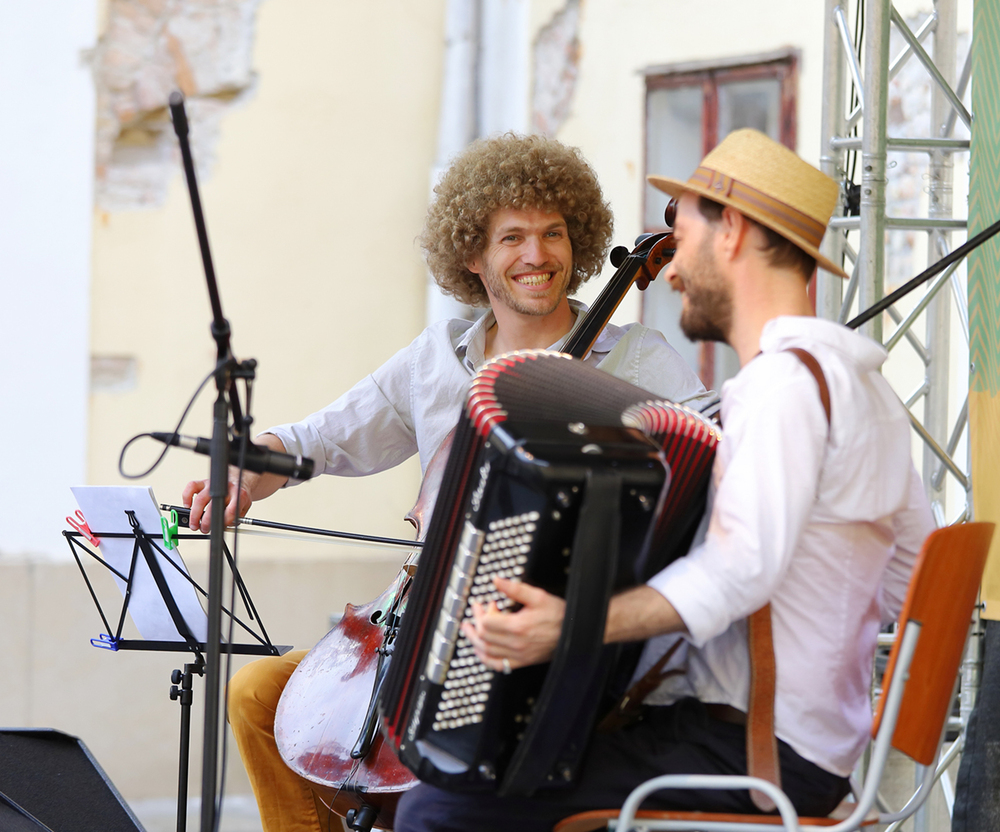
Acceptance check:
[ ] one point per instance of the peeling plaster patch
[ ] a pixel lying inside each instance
(113, 373)
(557, 59)
(149, 49)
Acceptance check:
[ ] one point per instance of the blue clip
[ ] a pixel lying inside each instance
(169, 530)
(105, 642)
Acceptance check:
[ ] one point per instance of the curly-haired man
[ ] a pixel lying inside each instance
(520, 174)
(516, 225)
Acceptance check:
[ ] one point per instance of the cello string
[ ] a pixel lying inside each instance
(353, 774)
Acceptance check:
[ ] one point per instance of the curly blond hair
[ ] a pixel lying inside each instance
(520, 172)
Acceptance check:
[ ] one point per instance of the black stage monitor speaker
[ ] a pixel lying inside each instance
(50, 781)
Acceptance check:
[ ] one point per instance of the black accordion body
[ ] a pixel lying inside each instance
(571, 480)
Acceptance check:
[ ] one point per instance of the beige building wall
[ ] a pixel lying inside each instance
(316, 194)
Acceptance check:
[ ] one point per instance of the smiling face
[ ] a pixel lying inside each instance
(527, 261)
(707, 307)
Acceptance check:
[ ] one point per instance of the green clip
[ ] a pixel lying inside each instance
(169, 530)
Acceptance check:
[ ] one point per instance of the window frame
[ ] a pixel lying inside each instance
(782, 65)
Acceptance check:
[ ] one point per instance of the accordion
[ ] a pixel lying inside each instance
(571, 480)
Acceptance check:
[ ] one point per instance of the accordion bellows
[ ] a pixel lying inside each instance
(571, 480)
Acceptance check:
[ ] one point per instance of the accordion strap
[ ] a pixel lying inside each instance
(812, 365)
(762, 745)
(628, 709)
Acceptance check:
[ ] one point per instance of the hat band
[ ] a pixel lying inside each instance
(738, 192)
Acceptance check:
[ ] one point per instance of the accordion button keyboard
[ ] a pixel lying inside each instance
(443, 644)
(453, 603)
(502, 551)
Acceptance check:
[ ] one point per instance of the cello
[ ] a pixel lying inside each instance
(326, 725)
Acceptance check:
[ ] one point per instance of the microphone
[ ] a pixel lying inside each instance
(257, 459)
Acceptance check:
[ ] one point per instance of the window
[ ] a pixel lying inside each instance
(690, 108)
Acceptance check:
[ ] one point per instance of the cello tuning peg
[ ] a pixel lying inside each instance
(670, 213)
(618, 255)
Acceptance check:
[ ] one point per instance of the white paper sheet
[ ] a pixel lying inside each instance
(104, 508)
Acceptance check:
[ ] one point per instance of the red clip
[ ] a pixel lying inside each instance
(80, 524)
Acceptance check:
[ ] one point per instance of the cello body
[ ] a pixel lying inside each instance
(329, 703)
(324, 708)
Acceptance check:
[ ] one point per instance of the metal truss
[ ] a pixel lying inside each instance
(856, 146)
(857, 72)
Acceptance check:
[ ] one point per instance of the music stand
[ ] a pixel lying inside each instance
(140, 552)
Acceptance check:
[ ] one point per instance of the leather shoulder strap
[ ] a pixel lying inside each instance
(762, 745)
(812, 365)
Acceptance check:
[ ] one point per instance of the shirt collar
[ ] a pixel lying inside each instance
(471, 347)
(790, 330)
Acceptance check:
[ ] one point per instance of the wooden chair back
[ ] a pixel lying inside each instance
(941, 597)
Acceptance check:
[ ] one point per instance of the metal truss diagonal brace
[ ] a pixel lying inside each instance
(899, 61)
(961, 423)
(921, 306)
(925, 59)
(939, 452)
(852, 56)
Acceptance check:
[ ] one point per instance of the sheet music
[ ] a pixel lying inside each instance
(104, 507)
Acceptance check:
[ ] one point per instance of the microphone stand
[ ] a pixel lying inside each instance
(227, 370)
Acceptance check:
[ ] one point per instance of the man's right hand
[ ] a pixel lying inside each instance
(196, 496)
(253, 487)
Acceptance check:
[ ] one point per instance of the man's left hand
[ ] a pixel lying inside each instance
(506, 640)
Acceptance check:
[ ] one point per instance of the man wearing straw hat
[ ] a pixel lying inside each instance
(816, 510)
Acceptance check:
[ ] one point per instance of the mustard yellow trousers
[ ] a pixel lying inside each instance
(286, 801)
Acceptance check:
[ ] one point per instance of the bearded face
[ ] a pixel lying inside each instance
(707, 310)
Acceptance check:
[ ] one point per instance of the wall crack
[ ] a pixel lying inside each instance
(556, 65)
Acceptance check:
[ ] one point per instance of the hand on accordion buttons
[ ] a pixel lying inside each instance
(527, 636)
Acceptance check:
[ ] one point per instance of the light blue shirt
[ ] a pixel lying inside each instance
(412, 402)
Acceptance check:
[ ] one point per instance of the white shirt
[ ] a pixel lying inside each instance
(413, 401)
(822, 521)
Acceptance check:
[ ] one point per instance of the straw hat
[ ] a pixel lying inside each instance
(770, 184)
